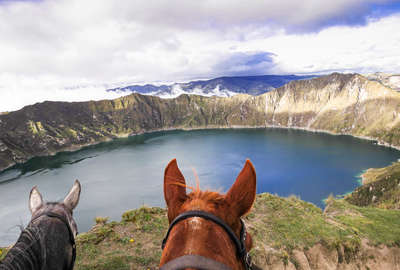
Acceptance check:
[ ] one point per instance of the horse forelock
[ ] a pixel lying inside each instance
(60, 209)
(204, 200)
(208, 201)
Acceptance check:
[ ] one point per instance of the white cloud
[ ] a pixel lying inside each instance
(370, 48)
(47, 46)
(19, 91)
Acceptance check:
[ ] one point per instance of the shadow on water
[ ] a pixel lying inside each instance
(44, 164)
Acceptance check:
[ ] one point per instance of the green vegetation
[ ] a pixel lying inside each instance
(288, 223)
(133, 243)
(3, 252)
(376, 174)
(283, 224)
(101, 220)
(381, 188)
(279, 225)
(379, 226)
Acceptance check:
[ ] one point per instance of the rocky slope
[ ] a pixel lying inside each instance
(388, 80)
(337, 103)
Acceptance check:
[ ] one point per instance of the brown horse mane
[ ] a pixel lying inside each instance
(206, 196)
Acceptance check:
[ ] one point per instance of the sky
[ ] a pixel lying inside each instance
(73, 50)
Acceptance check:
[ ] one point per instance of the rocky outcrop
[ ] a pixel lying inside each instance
(338, 103)
(292, 234)
(387, 79)
(321, 257)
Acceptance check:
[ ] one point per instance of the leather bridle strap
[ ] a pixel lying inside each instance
(194, 261)
(189, 214)
(71, 234)
(239, 243)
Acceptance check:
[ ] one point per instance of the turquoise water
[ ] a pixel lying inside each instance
(128, 173)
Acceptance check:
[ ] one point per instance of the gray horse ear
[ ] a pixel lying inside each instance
(35, 200)
(72, 199)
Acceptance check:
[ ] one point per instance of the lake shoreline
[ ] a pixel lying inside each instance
(74, 148)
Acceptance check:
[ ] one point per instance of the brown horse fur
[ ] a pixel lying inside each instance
(200, 236)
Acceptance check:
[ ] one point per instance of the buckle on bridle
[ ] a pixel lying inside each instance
(247, 260)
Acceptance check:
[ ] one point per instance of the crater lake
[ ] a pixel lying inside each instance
(127, 173)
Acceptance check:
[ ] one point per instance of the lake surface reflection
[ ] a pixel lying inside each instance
(127, 173)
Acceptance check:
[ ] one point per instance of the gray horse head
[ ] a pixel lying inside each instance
(48, 242)
(38, 206)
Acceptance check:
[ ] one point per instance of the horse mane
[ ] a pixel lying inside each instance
(196, 193)
(198, 196)
(207, 196)
(26, 252)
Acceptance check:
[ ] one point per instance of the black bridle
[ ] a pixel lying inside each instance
(201, 262)
(71, 234)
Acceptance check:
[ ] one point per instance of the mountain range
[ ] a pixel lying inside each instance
(222, 86)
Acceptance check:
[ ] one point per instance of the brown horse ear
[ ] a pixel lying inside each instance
(174, 189)
(242, 194)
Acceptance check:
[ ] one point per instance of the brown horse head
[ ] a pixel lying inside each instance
(201, 236)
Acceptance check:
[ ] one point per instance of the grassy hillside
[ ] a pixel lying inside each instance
(280, 227)
(381, 188)
(287, 232)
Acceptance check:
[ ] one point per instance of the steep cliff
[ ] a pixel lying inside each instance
(337, 103)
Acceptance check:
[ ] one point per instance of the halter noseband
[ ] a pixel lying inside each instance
(71, 234)
(242, 253)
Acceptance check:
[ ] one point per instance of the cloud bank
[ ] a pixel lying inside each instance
(73, 50)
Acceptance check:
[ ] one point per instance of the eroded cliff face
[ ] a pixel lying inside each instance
(341, 104)
(321, 257)
(338, 103)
